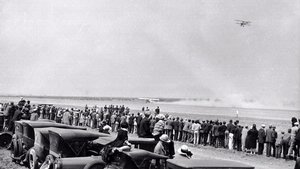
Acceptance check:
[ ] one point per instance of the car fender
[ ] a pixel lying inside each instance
(95, 165)
(32, 161)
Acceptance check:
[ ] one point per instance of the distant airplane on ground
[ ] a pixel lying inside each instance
(149, 100)
(243, 23)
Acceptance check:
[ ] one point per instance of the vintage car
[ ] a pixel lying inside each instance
(133, 159)
(66, 152)
(205, 164)
(5, 136)
(24, 136)
(38, 153)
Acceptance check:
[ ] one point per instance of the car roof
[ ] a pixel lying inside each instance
(142, 140)
(48, 123)
(137, 154)
(206, 163)
(67, 134)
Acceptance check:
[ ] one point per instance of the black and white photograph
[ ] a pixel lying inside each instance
(149, 84)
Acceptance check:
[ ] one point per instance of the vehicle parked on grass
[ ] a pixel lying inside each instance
(24, 136)
(38, 153)
(67, 154)
(133, 159)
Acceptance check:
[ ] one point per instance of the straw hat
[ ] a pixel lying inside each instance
(165, 138)
(184, 150)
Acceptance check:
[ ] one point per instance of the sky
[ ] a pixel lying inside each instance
(172, 48)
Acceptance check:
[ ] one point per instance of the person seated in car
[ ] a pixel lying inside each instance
(164, 147)
(121, 142)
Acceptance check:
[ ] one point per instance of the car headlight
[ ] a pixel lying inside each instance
(57, 164)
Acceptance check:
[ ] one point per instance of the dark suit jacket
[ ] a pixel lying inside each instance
(145, 128)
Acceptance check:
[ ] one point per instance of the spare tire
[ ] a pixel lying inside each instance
(5, 139)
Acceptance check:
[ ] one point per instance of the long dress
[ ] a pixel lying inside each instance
(251, 140)
(244, 136)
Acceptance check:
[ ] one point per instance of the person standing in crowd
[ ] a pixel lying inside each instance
(261, 139)
(152, 123)
(269, 132)
(59, 116)
(8, 114)
(17, 116)
(273, 141)
(158, 127)
(292, 141)
(131, 123)
(138, 121)
(278, 145)
(169, 127)
(185, 130)
(157, 110)
(145, 126)
(175, 125)
(252, 139)
(244, 136)
(34, 114)
(222, 129)
(285, 143)
(113, 121)
(230, 128)
(297, 142)
(66, 117)
(196, 130)
(180, 129)
(238, 137)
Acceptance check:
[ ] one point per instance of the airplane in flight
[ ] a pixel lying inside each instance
(149, 100)
(243, 23)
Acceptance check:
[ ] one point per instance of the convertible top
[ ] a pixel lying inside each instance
(49, 123)
(139, 154)
(205, 164)
(73, 135)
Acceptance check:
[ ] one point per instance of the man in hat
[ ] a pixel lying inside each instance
(162, 148)
(269, 132)
(261, 139)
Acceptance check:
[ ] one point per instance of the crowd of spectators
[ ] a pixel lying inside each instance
(145, 123)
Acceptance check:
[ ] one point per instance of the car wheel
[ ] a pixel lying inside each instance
(32, 159)
(48, 164)
(5, 139)
(94, 165)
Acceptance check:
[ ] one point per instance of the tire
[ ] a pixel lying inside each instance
(5, 140)
(94, 165)
(48, 163)
(32, 160)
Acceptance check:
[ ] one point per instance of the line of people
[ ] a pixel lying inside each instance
(215, 133)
